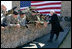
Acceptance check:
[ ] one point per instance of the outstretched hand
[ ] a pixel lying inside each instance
(45, 24)
(18, 25)
(3, 28)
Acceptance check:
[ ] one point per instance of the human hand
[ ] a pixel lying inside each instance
(45, 24)
(3, 28)
(37, 21)
(18, 25)
(33, 14)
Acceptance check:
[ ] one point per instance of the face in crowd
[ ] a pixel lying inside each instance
(22, 15)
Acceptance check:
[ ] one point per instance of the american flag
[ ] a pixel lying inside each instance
(43, 7)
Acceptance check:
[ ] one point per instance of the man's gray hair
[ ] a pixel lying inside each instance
(52, 11)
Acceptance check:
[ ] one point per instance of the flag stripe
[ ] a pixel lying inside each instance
(44, 2)
(49, 12)
(47, 4)
(36, 1)
(48, 8)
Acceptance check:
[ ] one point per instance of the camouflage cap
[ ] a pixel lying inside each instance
(15, 12)
(21, 12)
(32, 8)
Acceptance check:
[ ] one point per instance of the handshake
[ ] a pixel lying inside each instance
(44, 23)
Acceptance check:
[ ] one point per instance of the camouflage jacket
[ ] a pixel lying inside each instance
(22, 21)
(10, 21)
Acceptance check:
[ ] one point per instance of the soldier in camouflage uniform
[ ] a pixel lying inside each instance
(41, 19)
(33, 16)
(29, 17)
(6, 18)
(22, 18)
(13, 20)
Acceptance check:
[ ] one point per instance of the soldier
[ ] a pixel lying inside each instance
(35, 18)
(29, 16)
(13, 21)
(41, 19)
(32, 15)
(6, 20)
(22, 19)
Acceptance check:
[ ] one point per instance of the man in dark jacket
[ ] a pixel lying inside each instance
(55, 25)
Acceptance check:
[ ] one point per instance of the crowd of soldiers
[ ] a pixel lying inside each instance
(19, 18)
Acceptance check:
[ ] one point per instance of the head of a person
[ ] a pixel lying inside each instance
(3, 7)
(15, 14)
(22, 15)
(34, 12)
(27, 9)
(52, 12)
